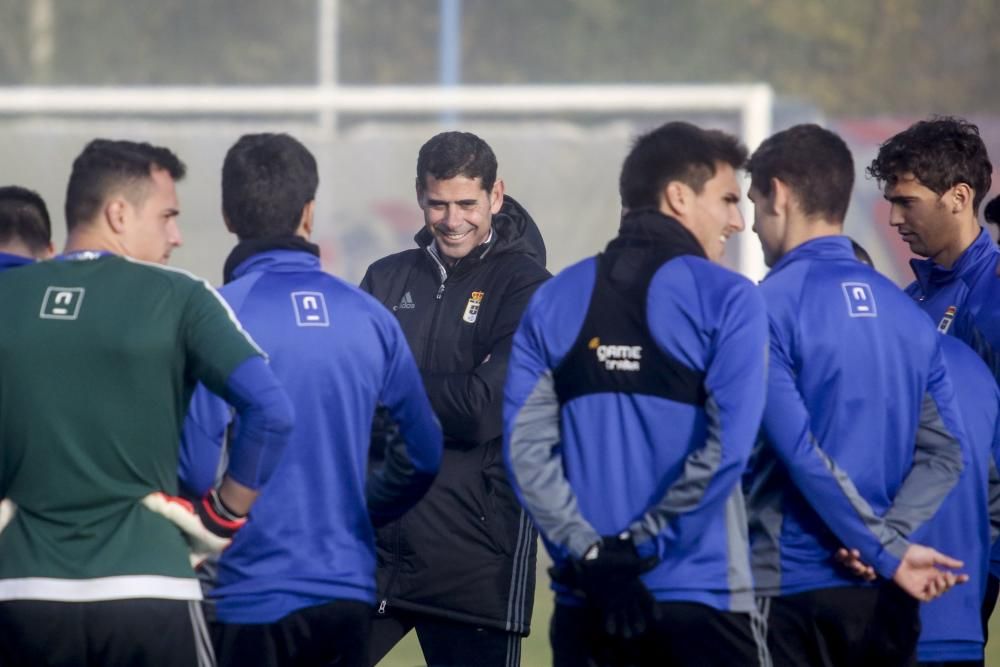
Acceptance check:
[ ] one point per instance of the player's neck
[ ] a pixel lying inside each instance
(805, 230)
(967, 234)
(86, 237)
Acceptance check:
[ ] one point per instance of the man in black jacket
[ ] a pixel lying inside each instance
(460, 566)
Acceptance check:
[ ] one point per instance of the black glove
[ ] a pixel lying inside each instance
(216, 517)
(608, 575)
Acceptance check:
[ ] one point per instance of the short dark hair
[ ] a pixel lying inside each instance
(105, 164)
(266, 181)
(814, 162)
(941, 152)
(992, 211)
(25, 218)
(450, 154)
(675, 151)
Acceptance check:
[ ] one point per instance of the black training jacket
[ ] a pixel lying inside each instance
(467, 550)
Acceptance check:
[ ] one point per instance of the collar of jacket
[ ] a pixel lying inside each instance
(971, 261)
(650, 228)
(426, 240)
(823, 247)
(9, 261)
(269, 254)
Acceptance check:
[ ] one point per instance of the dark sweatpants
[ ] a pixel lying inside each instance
(849, 625)
(684, 634)
(111, 633)
(326, 634)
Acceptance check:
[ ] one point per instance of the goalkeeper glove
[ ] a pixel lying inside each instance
(206, 530)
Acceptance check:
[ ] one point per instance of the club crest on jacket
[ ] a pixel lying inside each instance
(472, 307)
(947, 319)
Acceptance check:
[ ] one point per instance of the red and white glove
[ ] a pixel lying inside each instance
(208, 526)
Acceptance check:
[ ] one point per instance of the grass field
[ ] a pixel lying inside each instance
(535, 650)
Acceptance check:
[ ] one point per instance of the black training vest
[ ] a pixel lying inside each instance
(615, 351)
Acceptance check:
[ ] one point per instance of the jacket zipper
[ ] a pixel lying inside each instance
(443, 274)
(434, 323)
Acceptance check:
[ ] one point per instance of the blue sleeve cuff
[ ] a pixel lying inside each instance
(886, 564)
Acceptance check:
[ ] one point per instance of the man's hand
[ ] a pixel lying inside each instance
(921, 576)
(851, 560)
(202, 540)
(608, 574)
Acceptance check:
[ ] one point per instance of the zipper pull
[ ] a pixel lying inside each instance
(381, 607)
(440, 292)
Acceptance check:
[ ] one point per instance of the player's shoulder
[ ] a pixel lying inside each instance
(349, 300)
(353, 302)
(698, 279)
(960, 355)
(353, 299)
(577, 276)
(159, 272)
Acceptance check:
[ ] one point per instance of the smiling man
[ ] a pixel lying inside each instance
(634, 397)
(459, 567)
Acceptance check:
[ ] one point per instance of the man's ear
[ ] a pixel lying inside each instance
(496, 196)
(780, 197)
(115, 210)
(420, 196)
(305, 229)
(676, 198)
(959, 198)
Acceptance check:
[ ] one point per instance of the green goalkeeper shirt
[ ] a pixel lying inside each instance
(99, 356)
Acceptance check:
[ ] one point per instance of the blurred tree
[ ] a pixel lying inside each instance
(850, 57)
(162, 42)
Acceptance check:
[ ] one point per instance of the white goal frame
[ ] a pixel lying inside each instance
(751, 102)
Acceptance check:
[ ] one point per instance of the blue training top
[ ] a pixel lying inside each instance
(964, 301)
(855, 378)
(665, 354)
(950, 625)
(338, 353)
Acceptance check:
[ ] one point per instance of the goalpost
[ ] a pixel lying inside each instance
(752, 103)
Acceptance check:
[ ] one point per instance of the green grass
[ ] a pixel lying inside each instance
(993, 647)
(535, 651)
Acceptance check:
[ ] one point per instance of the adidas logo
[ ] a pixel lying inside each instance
(406, 303)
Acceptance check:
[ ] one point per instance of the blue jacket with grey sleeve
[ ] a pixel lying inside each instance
(855, 378)
(964, 301)
(951, 630)
(633, 398)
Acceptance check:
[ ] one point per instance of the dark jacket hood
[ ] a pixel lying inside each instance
(514, 230)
